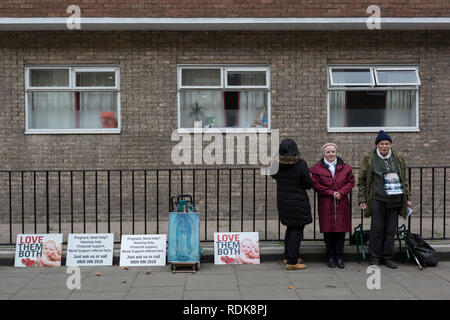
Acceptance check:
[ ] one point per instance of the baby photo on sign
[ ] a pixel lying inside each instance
(236, 248)
(39, 250)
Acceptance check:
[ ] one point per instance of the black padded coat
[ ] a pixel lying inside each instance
(293, 179)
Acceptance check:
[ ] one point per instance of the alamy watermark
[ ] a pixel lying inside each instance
(374, 21)
(74, 280)
(373, 281)
(74, 21)
(222, 146)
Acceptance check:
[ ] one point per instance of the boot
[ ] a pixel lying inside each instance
(299, 261)
(330, 262)
(298, 266)
(374, 262)
(340, 264)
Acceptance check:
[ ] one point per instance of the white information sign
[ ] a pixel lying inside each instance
(42, 250)
(143, 250)
(86, 249)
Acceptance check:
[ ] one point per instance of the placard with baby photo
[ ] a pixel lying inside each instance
(41, 250)
(236, 248)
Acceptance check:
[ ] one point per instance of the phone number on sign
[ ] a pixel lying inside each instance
(89, 261)
(142, 261)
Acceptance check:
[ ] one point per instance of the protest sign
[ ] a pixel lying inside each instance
(90, 249)
(42, 250)
(143, 250)
(236, 248)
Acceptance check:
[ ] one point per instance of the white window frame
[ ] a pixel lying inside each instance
(180, 84)
(28, 79)
(72, 88)
(372, 83)
(235, 69)
(224, 87)
(376, 87)
(81, 70)
(397, 69)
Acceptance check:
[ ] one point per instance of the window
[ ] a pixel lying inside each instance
(370, 98)
(397, 77)
(351, 77)
(72, 99)
(221, 96)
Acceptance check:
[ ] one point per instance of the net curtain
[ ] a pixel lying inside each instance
(67, 109)
(399, 111)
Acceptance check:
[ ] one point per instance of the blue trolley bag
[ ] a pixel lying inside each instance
(184, 232)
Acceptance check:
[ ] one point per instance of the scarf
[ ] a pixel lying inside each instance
(389, 162)
(385, 157)
(331, 165)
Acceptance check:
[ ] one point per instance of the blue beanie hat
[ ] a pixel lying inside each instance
(382, 136)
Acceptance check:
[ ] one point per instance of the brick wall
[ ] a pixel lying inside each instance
(223, 8)
(148, 61)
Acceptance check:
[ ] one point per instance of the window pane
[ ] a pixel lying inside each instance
(205, 106)
(246, 78)
(395, 108)
(49, 77)
(253, 109)
(351, 76)
(397, 77)
(72, 110)
(95, 79)
(98, 110)
(51, 110)
(218, 109)
(200, 77)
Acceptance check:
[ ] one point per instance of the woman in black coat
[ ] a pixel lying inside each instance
(293, 179)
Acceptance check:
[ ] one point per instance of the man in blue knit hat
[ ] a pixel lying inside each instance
(383, 194)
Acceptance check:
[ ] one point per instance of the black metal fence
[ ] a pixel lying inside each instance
(137, 202)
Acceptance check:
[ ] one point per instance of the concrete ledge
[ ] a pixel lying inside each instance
(310, 251)
(214, 24)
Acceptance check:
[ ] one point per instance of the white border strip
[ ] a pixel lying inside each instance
(205, 24)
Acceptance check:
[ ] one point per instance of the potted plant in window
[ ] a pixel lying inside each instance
(196, 112)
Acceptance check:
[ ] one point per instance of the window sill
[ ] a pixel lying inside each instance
(72, 131)
(223, 130)
(375, 129)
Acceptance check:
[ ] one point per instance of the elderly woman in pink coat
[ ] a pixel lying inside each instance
(333, 180)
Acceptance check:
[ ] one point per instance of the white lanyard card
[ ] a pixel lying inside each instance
(392, 184)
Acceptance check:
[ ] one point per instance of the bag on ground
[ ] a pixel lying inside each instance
(426, 255)
(355, 238)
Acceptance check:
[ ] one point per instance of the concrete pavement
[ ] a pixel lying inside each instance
(267, 281)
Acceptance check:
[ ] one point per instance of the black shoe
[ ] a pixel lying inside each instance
(340, 264)
(390, 264)
(331, 263)
(374, 262)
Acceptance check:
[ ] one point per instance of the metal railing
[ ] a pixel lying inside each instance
(137, 202)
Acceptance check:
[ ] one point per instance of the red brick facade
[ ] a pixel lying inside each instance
(224, 8)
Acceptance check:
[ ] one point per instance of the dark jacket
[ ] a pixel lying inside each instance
(334, 216)
(365, 181)
(293, 179)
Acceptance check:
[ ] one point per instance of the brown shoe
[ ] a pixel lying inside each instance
(299, 261)
(298, 266)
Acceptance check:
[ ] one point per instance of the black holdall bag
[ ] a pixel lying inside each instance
(426, 255)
